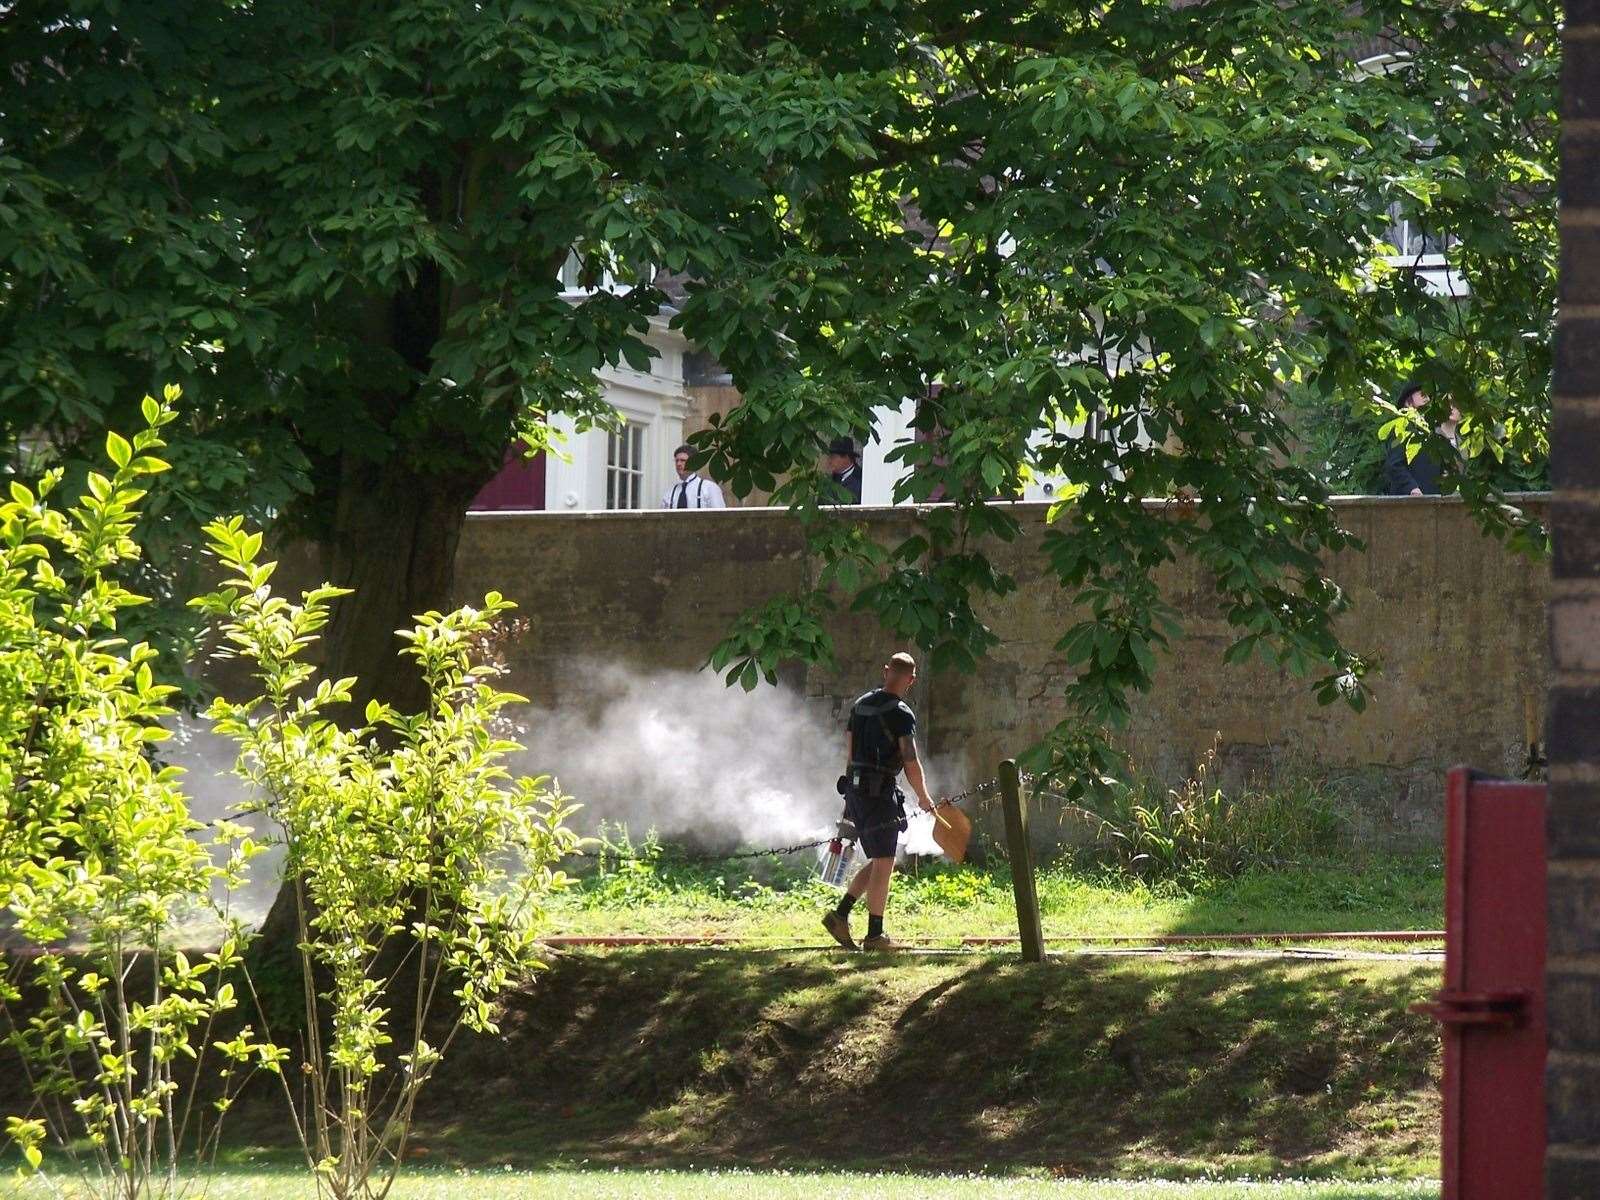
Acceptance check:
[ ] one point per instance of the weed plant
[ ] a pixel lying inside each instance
(1199, 832)
(654, 872)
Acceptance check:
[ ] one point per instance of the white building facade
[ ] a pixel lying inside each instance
(630, 467)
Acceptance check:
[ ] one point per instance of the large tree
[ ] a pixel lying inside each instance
(1172, 219)
(339, 227)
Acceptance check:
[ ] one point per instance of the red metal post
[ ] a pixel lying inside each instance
(1492, 1005)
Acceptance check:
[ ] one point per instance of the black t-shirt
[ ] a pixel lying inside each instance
(878, 720)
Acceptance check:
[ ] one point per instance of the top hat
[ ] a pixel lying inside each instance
(845, 446)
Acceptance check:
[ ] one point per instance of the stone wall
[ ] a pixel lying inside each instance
(1457, 621)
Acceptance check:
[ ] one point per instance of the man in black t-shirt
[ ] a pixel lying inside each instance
(880, 742)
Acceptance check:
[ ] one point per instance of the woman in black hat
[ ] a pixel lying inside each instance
(1418, 475)
(844, 466)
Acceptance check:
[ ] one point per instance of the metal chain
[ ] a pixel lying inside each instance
(991, 785)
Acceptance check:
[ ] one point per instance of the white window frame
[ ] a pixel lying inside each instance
(627, 451)
(1431, 266)
(1408, 238)
(572, 289)
(575, 481)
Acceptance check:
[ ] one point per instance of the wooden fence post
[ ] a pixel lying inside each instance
(1022, 881)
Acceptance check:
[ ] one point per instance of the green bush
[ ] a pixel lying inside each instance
(418, 868)
(624, 874)
(1199, 830)
(100, 865)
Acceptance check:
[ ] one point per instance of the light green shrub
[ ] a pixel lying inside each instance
(1202, 830)
(418, 866)
(99, 860)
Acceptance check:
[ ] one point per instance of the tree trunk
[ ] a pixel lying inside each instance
(394, 542)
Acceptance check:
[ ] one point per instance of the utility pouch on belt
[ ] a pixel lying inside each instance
(867, 783)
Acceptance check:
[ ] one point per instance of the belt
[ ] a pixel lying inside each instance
(867, 769)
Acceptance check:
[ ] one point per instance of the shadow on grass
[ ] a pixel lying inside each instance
(1097, 1066)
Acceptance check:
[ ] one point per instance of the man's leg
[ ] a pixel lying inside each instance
(858, 883)
(881, 870)
(878, 872)
(879, 835)
(837, 922)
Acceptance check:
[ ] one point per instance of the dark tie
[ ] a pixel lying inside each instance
(683, 494)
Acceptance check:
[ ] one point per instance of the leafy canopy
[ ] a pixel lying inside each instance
(341, 230)
(1169, 220)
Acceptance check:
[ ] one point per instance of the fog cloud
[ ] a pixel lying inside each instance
(682, 754)
(676, 752)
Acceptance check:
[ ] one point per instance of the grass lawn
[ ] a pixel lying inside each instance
(782, 1072)
(237, 1184)
(782, 902)
(947, 1063)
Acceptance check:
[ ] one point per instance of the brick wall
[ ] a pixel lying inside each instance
(1573, 1074)
(1459, 623)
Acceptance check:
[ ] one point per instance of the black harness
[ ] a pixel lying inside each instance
(872, 780)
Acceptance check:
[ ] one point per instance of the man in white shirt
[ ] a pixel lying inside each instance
(690, 491)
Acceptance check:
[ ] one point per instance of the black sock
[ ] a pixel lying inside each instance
(846, 903)
(875, 926)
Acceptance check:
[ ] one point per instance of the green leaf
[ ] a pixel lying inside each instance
(993, 471)
(118, 449)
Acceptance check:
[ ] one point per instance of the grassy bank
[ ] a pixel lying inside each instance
(650, 892)
(749, 1185)
(944, 1063)
(935, 1064)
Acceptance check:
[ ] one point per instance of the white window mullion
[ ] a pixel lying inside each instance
(625, 466)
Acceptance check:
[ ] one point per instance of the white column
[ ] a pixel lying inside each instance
(567, 485)
(878, 475)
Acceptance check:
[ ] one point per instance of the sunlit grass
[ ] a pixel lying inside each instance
(761, 1185)
(782, 902)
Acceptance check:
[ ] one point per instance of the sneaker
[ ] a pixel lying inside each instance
(839, 927)
(880, 941)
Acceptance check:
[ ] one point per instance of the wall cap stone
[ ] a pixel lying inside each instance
(902, 511)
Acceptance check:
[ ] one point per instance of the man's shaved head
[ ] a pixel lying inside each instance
(900, 666)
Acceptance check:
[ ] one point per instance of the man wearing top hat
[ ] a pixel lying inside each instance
(844, 467)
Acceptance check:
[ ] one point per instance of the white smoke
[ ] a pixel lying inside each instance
(683, 755)
(696, 761)
(675, 752)
(213, 792)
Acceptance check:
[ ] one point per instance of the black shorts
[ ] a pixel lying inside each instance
(877, 821)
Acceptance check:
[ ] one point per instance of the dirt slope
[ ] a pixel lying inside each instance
(1077, 1066)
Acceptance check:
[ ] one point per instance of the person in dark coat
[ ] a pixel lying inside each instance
(844, 467)
(1419, 476)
